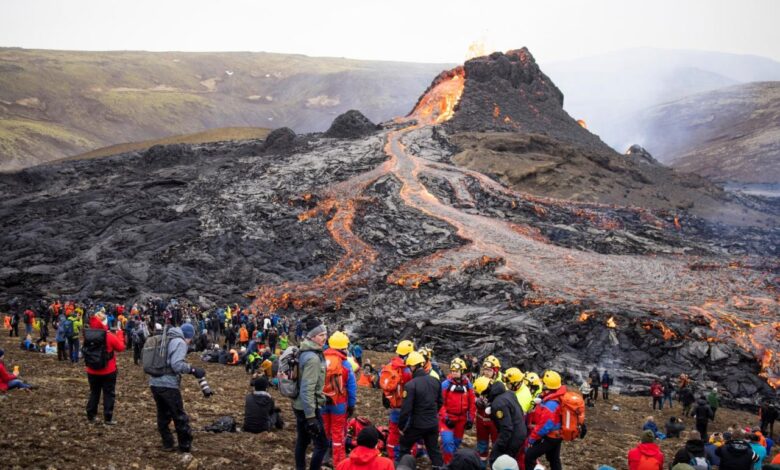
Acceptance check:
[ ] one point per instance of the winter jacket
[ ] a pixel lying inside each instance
(177, 355)
(736, 455)
(760, 452)
(606, 380)
(656, 390)
(422, 402)
(713, 400)
(59, 336)
(114, 343)
(648, 453)
(693, 448)
(547, 416)
(347, 377)
(674, 429)
(243, 335)
(5, 377)
(312, 379)
(650, 425)
(459, 399)
(525, 398)
(509, 420)
(686, 396)
(709, 452)
(258, 407)
(703, 412)
(363, 458)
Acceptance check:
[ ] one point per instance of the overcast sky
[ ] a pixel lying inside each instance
(417, 30)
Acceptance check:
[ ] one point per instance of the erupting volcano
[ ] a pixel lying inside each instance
(734, 303)
(389, 237)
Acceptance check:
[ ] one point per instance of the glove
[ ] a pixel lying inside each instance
(583, 431)
(350, 411)
(198, 372)
(313, 427)
(385, 402)
(469, 425)
(449, 423)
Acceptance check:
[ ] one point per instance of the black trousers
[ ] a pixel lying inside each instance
(701, 426)
(14, 331)
(137, 348)
(550, 448)
(107, 385)
(431, 439)
(170, 407)
(62, 351)
(605, 393)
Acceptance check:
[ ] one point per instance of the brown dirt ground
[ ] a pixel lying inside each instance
(47, 428)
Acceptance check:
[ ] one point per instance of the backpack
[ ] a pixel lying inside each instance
(154, 355)
(390, 383)
(648, 463)
(334, 388)
(68, 327)
(223, 424)
(95, 350)
(572, 411)
(699, 463)
(288, 373)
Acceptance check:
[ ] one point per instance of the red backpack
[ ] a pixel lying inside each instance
(647, 462)
(572, 415)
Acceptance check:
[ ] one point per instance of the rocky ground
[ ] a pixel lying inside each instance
(46, 428)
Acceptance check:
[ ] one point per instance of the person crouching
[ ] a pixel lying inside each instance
(260, 412)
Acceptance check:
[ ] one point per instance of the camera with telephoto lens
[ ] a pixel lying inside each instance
(204, 387)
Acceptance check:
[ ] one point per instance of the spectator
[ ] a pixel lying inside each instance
(606, 382)
(703, 415)
(260, 413)
(309, 424)
(657, 392)
(674, 427)
(759, 450)
(693, 453)
(10, 381)
(736, 453)
(713, 401)
(668, 391)
(366, 456)
(100, 361)
(685, 395)
(646, 452)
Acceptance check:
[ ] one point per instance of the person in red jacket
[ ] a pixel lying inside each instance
(29, 321)
(366, 456)
(104, 379)
(647, 455)
(392, 399)
(459, 408)
(657, 392)
(340, 392)
(544, 438)
(9, 381)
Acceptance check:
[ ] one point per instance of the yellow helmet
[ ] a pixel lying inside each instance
(458, 364)
(481, 384)
(404, 347)
(426, 352)
(533, 378)
(493, 361)
(415, 359)
(338, 340)
(552, 380)
(513, 375)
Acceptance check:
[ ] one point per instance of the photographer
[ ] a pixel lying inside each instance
(165, 388)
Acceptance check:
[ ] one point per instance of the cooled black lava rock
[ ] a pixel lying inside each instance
(641, 155)
(351, 125)
(280, 139)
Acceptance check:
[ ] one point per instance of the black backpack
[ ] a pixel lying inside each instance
(95, 350)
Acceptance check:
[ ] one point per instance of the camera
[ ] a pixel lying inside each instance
(204, 387)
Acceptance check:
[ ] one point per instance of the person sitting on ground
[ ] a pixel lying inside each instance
(365, 455)
(646, 452)
(674, 427)
(51, 349)
(716, 440)
(260, 412)
(28, 344)
(736, 452)
(9, 381)
(759, 450)
(693, 453)
(650, 424)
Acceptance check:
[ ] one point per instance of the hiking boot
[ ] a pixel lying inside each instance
(91, 419)
(168, 449)
(110, 422)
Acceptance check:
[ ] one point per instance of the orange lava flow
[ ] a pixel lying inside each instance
(736, 302)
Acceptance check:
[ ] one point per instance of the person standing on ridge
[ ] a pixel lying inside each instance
(99, 350)
(392, 379)
(459, 410)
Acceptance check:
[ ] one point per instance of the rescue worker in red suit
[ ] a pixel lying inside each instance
(340, 405)
(392, 397)
(544, 437)
(459, 410)
(486, 430)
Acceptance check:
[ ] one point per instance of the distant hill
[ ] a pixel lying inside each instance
(55, 104)
(608, 90)
(730, 134)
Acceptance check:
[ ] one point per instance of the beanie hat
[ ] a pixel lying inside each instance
(260, 383)
(188, 330)
(505, 462)
(314, 327)
(647, 436)
(368, 437)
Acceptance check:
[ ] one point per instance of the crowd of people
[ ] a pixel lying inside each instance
(521, 418)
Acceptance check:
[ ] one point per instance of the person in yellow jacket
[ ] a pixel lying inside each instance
(534, 384)
(515, 380)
